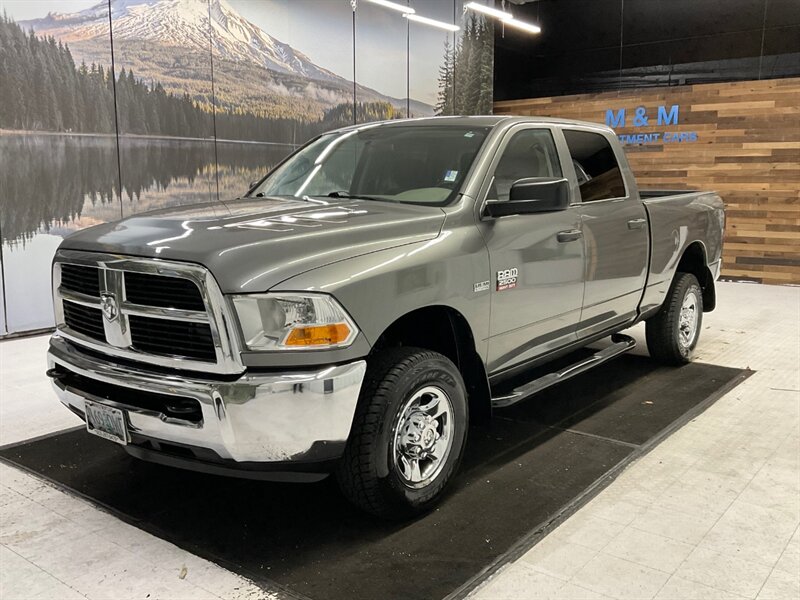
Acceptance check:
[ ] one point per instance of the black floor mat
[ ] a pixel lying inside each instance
(536, 462)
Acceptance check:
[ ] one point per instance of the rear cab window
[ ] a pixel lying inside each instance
(596, 166)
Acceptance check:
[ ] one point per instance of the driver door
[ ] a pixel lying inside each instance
(537, 274)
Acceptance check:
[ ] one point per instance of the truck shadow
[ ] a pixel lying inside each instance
(519, 472)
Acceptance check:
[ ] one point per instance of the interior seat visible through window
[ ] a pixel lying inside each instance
(530, 153)
(596, 168)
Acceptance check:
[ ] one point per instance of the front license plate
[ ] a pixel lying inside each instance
(107, 422)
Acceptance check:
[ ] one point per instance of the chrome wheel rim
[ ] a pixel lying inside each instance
(423, 436)
(687, 321)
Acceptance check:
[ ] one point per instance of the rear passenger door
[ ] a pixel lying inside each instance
(615, 234)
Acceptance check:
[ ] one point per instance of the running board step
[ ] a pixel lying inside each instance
(621, 345)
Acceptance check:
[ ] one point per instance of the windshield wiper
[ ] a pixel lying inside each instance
(347, 196)
(265, 195)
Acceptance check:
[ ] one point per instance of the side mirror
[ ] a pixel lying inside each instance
(532, 195)
(253, 184)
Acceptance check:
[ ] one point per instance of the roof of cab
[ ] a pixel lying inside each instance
(474, 121)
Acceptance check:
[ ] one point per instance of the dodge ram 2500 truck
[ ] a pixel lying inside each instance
(366, 300)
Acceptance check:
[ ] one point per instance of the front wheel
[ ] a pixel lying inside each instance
(408, 434)
(673, 332)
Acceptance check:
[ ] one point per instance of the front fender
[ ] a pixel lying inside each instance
(378, 288)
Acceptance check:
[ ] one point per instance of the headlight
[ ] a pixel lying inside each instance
(293, 322)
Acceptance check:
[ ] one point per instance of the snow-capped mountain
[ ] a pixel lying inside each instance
(186, 24)
(168, 41)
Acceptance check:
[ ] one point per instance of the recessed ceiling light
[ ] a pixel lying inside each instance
(432, 22)
(529, 27)
(394, 6)
(488, 10)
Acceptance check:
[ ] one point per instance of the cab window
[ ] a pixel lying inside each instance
(596, 167)
(529, 153)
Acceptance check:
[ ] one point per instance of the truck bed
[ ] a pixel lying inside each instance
(676, 217)
(659, 193)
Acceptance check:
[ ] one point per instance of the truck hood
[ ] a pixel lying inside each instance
(251, 245)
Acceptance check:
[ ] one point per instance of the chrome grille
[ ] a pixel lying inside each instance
(166, 292)
(159, 312)
(81, 279)
(172, 338)
(85, 320)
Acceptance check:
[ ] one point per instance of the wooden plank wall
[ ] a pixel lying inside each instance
(747, 149)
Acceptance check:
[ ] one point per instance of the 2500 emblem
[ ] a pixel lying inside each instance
(507, 279)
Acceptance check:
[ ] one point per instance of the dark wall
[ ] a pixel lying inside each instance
(606, 45)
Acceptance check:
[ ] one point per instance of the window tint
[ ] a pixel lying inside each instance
(530, 153)
(599, 177)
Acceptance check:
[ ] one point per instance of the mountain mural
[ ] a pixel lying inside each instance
(168, 41)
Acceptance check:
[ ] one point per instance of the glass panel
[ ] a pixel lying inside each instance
(59, 159)
(381, 63)
(431, 59)
(530, 153)
(473, 65)
(599, 177)
(413, 164)
(291, 80)
(162, 59)
(2, 299)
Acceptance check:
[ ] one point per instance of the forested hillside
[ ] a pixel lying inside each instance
(465, 77)
(42, 89)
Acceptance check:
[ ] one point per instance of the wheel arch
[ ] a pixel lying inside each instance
(694, 260)
(445, 330)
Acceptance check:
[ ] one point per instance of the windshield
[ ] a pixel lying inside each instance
(413, 164)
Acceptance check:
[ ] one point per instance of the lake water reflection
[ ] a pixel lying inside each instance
(52, 185)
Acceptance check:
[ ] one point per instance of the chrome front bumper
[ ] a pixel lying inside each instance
(258, 418)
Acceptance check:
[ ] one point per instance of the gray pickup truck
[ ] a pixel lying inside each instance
(367, 299)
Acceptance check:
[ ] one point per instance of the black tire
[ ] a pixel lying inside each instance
(666, 340)
(368, 473)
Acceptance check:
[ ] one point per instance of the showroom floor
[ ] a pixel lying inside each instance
(712, 512)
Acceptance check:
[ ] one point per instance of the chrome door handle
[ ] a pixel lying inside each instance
(570, 235)
(636, 223)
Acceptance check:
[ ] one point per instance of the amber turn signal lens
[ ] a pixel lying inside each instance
(318, 335)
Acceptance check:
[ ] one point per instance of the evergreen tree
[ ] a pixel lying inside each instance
(444, 104)
(485, 69)
(468, 90)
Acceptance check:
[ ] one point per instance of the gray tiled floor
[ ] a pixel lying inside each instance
(711, 513)
(56, 546)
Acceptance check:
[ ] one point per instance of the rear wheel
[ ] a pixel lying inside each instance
(408, 434)
(673, 332)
